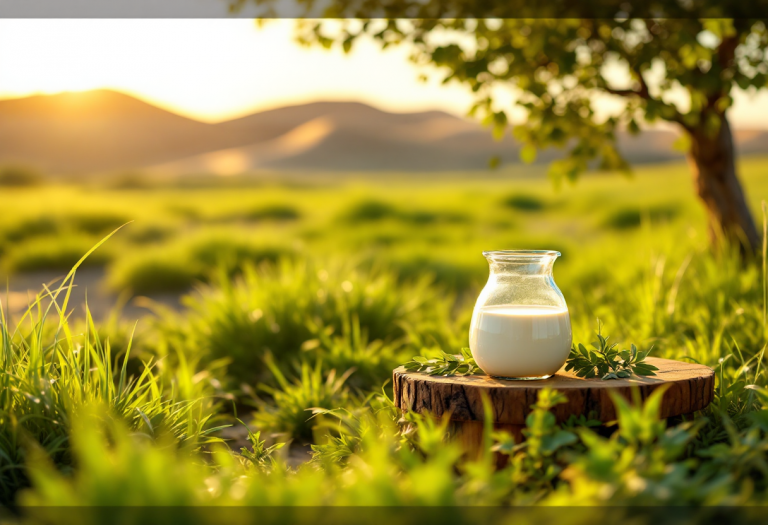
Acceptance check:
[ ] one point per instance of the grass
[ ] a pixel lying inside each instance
(177, 266)
(275, 212)
(292, 402)
(20, 176)
(50, 374)
(525, 203)
(371, 210)
(277, 309)
(31, 227)
(305, 312)
(58, 253)
(631, 217)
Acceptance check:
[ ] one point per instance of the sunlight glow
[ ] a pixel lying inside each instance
(208, 69)
(218, 69)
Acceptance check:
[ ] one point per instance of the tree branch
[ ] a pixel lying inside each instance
(644, 93)
(678, 119)
(726, 51)
(625, 92)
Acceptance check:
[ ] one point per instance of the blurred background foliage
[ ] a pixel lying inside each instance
(674, 67)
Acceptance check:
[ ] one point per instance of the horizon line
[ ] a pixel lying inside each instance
(192, 116)
(663, 126)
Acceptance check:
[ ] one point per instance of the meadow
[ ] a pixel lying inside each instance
(265, 380)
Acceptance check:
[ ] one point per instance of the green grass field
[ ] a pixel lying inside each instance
(301, 296)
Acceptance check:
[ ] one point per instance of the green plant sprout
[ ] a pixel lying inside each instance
(446, 365)
(260, 455)
(607, 361)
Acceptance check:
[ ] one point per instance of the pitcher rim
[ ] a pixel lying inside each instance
(518, 254)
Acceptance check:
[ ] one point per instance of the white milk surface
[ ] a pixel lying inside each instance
(520, 341)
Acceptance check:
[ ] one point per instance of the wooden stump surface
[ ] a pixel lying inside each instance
(691, 388)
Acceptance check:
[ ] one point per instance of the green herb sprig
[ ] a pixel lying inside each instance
(607, 361)
(260, 455)
(446, 364)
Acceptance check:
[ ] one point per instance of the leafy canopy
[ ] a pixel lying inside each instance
(676, 70)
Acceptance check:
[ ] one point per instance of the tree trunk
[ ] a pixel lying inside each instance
(712, 161)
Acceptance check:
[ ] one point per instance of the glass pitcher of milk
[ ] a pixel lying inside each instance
(520, 325)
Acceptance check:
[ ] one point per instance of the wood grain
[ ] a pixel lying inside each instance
(690, 389)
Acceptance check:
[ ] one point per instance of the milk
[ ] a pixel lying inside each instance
(520, 341)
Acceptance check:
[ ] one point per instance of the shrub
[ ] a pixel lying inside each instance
(96, 223)
(150, 233)
(429, 217)
(189, 213)
(232, 253)
(154, 273)
(275, 212)
(53, 253)
(176, 267)
(522, 202)
(369, 210)
(371, 363)
(293, 403)
(454, 275)
(274, 307)
(20, 176)
(374, 210)
(32, 227)
(129, 181)
(631, 217)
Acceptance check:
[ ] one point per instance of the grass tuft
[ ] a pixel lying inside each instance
(632, 217)
(525, 203)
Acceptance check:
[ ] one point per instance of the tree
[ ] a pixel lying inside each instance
(557, 66)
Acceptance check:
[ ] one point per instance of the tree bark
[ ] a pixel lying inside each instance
(712, 162)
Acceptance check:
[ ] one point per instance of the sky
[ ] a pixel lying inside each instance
(217, 69)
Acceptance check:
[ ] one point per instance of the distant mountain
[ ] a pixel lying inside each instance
(98, 130)
(349, 136)
(105, 131)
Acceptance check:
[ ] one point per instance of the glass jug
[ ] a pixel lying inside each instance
(520, 325)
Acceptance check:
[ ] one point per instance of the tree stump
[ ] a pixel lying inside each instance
(690, 389)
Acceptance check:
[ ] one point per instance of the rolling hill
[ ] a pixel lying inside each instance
(94, 131)
(105, 131)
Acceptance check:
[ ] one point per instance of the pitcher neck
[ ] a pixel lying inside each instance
(521, 263)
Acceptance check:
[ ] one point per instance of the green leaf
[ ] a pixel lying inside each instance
(641, 371)
(605, 362)
(528, 154)
(445, 365)
(559, 439)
